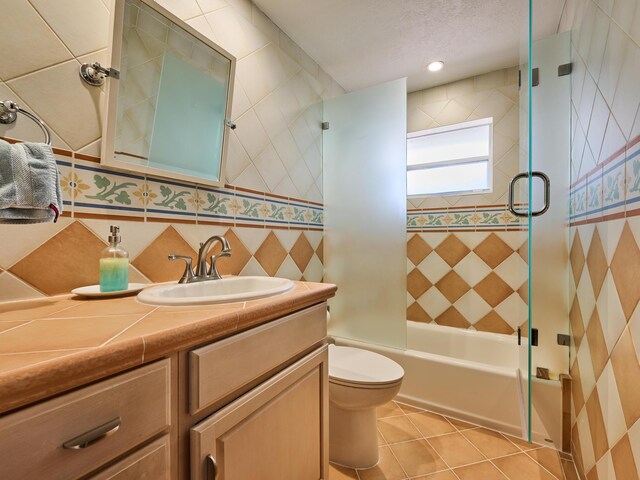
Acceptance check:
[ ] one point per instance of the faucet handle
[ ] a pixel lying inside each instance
(213, 272)
(187, 276)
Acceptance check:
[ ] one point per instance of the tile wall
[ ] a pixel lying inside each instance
(271, 201)
(466, 260)
(605, 237)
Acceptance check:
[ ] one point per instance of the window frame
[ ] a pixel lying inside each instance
(456, 161)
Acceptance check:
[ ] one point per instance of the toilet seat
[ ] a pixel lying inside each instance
(361, 368)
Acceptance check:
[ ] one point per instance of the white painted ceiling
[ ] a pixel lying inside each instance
(366, 42)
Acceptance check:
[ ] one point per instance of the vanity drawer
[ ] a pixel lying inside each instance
(150, 462)
(71, 435)
(219, 369)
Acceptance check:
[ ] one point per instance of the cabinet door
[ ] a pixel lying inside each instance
(148, 463)
(277, 431)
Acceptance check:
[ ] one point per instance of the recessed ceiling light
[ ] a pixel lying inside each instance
(435, 66)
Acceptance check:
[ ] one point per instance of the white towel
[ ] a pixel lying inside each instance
(29, 186)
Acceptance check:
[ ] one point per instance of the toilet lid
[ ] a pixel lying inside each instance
(355, 365)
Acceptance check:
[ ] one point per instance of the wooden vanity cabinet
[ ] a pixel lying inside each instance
(252, 406)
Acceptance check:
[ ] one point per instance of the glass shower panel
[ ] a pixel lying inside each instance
(549, 235)
(364, 177)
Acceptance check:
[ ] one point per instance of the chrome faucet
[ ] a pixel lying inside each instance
(201, 273)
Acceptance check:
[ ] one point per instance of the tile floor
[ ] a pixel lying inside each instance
(417, 444)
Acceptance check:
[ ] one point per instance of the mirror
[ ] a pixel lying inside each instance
(166, 113)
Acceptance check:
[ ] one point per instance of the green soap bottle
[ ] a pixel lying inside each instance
(114, 264)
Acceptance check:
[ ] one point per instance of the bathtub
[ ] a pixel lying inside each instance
(470, 375)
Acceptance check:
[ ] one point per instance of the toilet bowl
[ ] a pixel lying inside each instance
(359, 381)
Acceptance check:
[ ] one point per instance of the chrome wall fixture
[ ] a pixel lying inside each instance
(9, 112)
(94, 73)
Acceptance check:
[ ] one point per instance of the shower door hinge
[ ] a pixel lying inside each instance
(534, 337)
(565, 69)
(564, 339)
(325, 125)
(535, 77)
(543, 373)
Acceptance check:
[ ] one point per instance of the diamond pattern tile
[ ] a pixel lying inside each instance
(596, 425)
(416, 313)
(492, 322)
(67, 260)
(493, 250)
(452, 250)
(452, 318)
(271, 254)
(417, 249)
(302, 252)
(597, 344)
(626, 370)
(493, 289)
(417, 283)
(575, 319)
(320, 250)
(576, 258)
(624, 268)
(452, 286)
(597, 263)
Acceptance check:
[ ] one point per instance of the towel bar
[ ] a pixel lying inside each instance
(8, 113)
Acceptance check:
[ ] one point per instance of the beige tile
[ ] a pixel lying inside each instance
(59, 90)
(418, 458)
(417, 283)
(452, 250)
(444, 475)
(491, 444)
(381, 440)
(431, 424)
(452, 318)
(452, 286)
(626, 370)
(623, 461)
(27, 52)
(549, 459)
(68, 260)
(87, 32)
(460, 425)
(416, 313)
(44, 335)
(483, 470)
(596, 425)
(493, 289)
(397, 429)
(12, 289)
(493, 250)
(624, 268)
(390, 409)
(407, 409)
(577, 324)
(271, 254)
(493, 322)
(417, 249)
(597, 263)
(301, 252)
(14, 361)
(522, 467)
(569, 470)
(153, 261)
(387, 468)
(456, 450)
(81, 308)
(336, 472)
(521, 443)
(240, 256)
(576, 258)
(32, 309)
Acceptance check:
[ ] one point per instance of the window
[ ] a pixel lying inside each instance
(456, 159)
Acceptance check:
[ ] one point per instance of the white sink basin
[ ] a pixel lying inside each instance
(225, 290)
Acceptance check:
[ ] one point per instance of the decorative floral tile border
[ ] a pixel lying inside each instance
(469, 218)
(609, 191)
(89, 190)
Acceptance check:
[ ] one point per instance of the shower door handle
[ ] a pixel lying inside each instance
(547, 194)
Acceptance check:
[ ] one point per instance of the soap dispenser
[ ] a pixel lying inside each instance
(114, 264)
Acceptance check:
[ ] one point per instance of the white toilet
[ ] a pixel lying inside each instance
(359, 381)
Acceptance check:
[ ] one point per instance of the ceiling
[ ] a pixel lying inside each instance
(366, 42)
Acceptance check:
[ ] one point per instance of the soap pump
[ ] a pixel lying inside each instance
(114, 264)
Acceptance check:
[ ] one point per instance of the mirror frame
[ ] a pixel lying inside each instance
(114, 53)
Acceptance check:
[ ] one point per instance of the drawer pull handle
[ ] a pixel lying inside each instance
(92, 436)
(212, 467)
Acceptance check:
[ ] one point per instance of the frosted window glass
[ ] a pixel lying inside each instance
(365, 242)
(449, 145)
(467, 177)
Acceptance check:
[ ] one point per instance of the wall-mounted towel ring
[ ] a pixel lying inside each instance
(9, 111)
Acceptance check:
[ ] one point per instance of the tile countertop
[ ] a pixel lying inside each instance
(55, 344)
